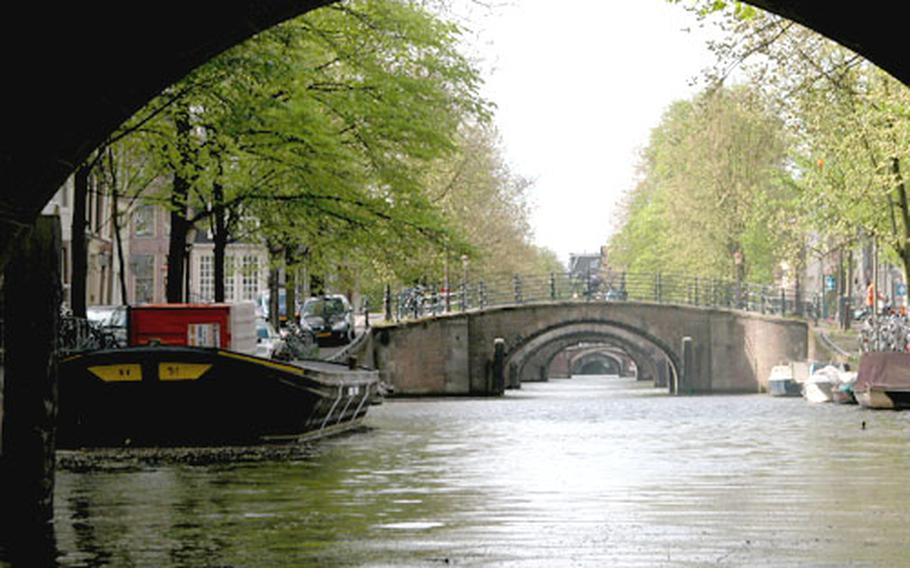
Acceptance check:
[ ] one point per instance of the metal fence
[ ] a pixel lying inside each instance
(664, 288)
(79, 334)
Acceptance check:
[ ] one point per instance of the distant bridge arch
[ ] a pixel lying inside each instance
(605, 362)
(563, 363)
(529, 360)
(622, 358)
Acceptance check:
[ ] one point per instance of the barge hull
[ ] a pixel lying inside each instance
(196, 396)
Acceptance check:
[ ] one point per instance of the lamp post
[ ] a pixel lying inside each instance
(464, 282)
(188, 264)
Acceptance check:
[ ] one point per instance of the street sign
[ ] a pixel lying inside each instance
(901, 290)
(830, 283)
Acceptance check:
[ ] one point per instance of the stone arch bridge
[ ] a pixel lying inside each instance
(729, 351)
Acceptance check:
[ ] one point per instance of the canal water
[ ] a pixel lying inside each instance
(592, 471)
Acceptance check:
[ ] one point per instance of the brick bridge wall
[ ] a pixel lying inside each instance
(452, 354)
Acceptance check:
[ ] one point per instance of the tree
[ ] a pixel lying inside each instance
(849, 120)
(330, 117)
(712, 175)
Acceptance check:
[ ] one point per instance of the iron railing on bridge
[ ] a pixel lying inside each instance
(664, 288)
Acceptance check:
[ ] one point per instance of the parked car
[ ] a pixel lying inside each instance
(262, 306)
(110, 321)
(330, 317)
(269, 344)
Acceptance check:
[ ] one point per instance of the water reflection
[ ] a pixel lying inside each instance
(589, 471)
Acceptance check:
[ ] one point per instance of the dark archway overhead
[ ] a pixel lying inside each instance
(873, 29)
(75, 70)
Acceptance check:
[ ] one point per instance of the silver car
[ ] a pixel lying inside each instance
(269, 344)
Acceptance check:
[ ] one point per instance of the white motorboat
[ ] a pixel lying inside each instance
(820, 384)
(782, 383)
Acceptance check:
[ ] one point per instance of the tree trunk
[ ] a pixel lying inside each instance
(220, 239)
(290, 285)
(115, 220)
(78, 246)
(275, 252)
(176, 256)
(220, 242)
(903, 238)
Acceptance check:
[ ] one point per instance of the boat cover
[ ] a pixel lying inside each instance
(885, 370)
(829, 374)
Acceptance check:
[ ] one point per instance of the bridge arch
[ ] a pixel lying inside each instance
(607, 362)
(533, 370)
(733, 351)
(47, 135)
(643, 361)
(625, 361)
(529, 359)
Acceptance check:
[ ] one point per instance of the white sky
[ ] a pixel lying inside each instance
(579, 84)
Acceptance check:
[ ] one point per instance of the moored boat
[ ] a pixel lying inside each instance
(883, 380)
(820, 385)
(843, 392)
(782, 383)
(176, 395)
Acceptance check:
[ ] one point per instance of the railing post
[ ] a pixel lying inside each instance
(464, 296)
(498, 381)
(482, 292)
(762, 299)
(365, 306)
(696, 291)
(660, 288)
(516, 281)
(387, 302)
(783, 302)
(797, 300)
(552, 286)
(587, 284)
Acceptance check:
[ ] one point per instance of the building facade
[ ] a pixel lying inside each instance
(144, 242)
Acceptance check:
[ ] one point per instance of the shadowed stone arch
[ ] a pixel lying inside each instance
(45, 134)
(66, 103)
(644, 358)
(608, 363)
(617, 353)
(532, 367)
(531, 357)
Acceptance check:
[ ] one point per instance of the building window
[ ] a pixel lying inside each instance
(144, 221)
(99, 200)
(207, 277)
(229, 278)
(143, 268)
(250, 277)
